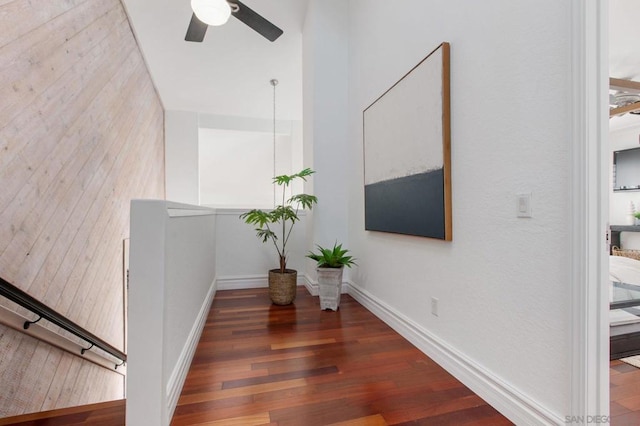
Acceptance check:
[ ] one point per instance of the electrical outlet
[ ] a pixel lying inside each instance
(434, 306)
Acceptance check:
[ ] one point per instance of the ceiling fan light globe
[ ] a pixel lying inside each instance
(211, 12)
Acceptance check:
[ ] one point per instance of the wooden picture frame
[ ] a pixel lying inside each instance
(407, 152)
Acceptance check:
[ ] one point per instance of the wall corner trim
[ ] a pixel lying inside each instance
(516, 406)
(588, 194)
(312, 286)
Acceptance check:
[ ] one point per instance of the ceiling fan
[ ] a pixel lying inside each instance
(217, 12)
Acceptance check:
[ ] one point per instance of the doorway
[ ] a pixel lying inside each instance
(621, 200)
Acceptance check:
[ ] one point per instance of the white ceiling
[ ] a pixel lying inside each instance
(624, 49)
(228, 73)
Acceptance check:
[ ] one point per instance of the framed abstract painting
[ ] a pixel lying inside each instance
(407, 153)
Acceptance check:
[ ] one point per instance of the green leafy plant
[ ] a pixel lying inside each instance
(332, 258)
(276, 225)
(637, 215)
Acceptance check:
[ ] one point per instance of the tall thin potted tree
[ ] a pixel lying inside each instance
(276, 226)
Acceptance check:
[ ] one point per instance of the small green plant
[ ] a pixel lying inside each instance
(332, 258)
(637, 215)
(282, 218)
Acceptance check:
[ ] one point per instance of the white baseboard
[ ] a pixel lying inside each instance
(314, 289)
(519, 408)
(240, 282)
(311, 286)
(179, 373)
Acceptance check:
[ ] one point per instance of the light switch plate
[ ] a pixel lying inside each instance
(434, 306)
(523, 205)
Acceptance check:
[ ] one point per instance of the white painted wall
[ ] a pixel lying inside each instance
(502, 283)
(243, 260)
(185, 166)
(237, 167)
(619, 139)
(172, 273)
(181, 156)
(325, 101)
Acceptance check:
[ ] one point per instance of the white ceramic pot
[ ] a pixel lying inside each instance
(330, 283)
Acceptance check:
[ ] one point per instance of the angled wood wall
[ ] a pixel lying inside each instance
(81, 134)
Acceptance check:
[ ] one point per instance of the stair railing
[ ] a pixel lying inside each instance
(23, 299)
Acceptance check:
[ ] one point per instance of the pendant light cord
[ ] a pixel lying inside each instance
(274, 83)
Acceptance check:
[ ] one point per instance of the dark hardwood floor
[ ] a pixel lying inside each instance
(296, 365)
(624, 394)
(103, 414)
(261, 364)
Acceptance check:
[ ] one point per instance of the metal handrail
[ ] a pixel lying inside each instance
(18, 296)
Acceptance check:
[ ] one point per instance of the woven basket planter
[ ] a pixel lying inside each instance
(632, 254)
(330, 287)
(283, 287)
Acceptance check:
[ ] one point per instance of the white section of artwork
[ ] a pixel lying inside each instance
(407, 153)
(402, 141)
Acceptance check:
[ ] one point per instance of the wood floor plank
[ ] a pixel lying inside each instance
(629, 419)
(375, 420)
(271, 378)
(301, 343)
(617, 392)
(624, 393)
(253, 420)
(632, 403)
(631, 377)
(322, 413)
(243, 391)
(111, 412)
(617, 409)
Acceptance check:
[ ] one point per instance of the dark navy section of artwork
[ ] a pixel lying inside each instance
(412, 205)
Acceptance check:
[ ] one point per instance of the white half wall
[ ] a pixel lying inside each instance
(243, 260)
(172, 284)
(184, 162)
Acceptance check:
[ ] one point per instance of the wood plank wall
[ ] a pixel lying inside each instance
(81, 134)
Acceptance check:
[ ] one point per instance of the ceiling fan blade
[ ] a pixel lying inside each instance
(256, 22)
(196, 29)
